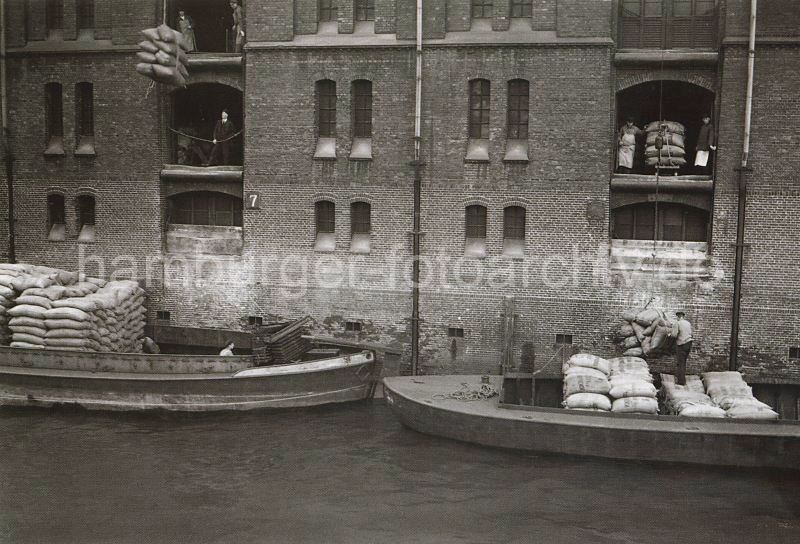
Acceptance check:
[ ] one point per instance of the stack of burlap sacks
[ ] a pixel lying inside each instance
(17, 278)
(673, 150)
(49, 308)
(645, 333)
(689, 400)
(589, 381)
(730, 392)
(632, 386)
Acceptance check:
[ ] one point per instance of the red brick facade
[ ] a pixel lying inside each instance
(567, 53)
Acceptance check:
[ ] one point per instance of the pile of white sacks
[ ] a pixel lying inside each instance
(689, 400)
(592, 383)
(730, 392)
(49, 308)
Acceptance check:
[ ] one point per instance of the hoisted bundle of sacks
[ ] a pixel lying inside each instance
(673, 150)
(586, 384)
(15, 279)
(730, 392)
(689, 400)
(645, 333)
(632, 386)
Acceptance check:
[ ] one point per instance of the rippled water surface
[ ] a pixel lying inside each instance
(351, 473)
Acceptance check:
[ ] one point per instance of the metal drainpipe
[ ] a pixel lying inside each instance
(417, 199)
(733, 361)
(8, 155)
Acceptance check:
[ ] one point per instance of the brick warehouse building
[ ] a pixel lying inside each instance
(531, 245)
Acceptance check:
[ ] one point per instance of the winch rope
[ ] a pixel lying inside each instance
(484, 391)
(203, 139)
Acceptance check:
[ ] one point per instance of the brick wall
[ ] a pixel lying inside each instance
(578, 18)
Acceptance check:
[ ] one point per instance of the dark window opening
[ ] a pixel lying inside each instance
(668, 24)
(54, 117)
(360, 217)
(56, 217)
(563, 339)
(328, 10)
(210, 21)
(479, 97)
(54, 16)
(255, 320)
(205, 208)
(521, 8)
(352, 326)
(514, 223)
(482, 9)
(85, 14)
(518, 99)
(162, 315)
(325, 213)
(676, 101)
(365, 10)
(362, 109)
(676, 222)
(476, 221)
(85, 210)
(455, 332)
(84, 116)
(326, 108)
(197, 116)
(794, 352)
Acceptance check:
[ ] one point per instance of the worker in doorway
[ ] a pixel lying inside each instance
(227, 350)
(705, 145)
(186, 28)
(627, 146)
(682, 332)
(238, 26)
(223, 132)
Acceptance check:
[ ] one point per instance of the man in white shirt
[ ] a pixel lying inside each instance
(682, 332)
(227, 351)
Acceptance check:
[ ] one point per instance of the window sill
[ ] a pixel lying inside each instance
(360, 244)
(325, 242)
(516, 151)
(86, 147)
(55, 148)
(58, 233)
(475, 248)
(361, 150)
(87, 234)
(477, 150)
(326, 149)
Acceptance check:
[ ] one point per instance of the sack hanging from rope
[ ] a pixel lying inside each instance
(669, 139)
(665, 161)
(162, 57)
(666, 151)
(670, 126)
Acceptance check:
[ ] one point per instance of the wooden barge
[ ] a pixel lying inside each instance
(132, 381)
(419, 403)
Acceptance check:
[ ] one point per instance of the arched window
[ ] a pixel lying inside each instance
(518, 100)
(325, 224)
(365, 10)
(676, 222)
(56, 217)
(54, 119)
(514, 231)
(85, 212)
(475, 231)
(326, 108)
(205, 208)
(479, 98)
(362, 109)
(328, 10)
(482, 9)
(54, 17)
(360, 227)
(84, 118)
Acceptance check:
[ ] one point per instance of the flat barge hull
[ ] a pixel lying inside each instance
(417, 402)
(291, 386)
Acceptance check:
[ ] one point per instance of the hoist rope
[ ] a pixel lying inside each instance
(204, 139)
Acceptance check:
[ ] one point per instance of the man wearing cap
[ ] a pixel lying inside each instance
(682, 332)
(705, 144)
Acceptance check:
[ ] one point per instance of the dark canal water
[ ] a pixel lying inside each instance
(351, 474)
